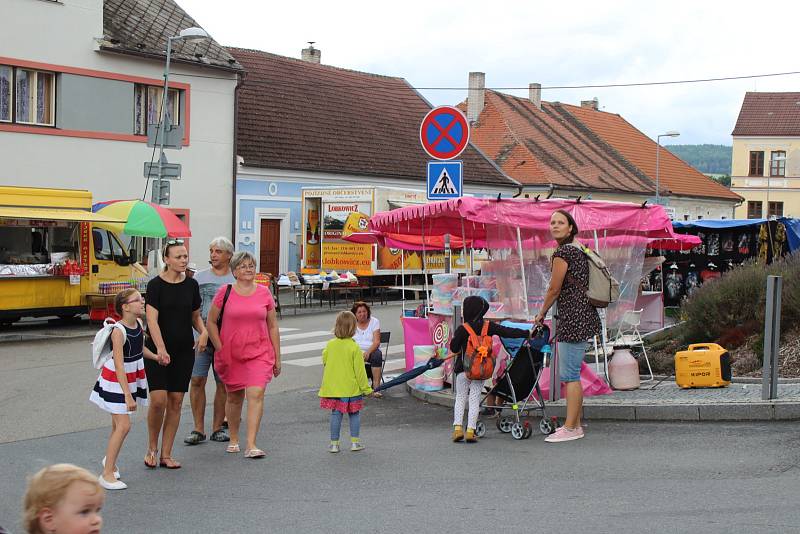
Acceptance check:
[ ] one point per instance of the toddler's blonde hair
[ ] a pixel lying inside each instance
(345, 325)
(48, 487)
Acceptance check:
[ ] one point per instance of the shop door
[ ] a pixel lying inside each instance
(270, 246)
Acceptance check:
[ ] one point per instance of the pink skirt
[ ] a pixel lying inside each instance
(344, 405)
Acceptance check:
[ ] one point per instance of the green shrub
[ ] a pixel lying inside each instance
(731, 308)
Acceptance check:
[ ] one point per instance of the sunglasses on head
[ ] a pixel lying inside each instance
(175, 242)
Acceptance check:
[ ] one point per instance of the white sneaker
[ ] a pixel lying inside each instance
(116, 471)
(118, 485)
(333, 447)
(357, 446)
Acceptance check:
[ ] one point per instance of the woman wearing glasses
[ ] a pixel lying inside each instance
(173, 309)
(247, 346)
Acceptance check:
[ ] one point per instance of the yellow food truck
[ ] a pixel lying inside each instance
(56, 255)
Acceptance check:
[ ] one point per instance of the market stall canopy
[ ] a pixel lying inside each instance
(676, 242)
(470, 217)
(57, 214)
(792, 227)
(405, 242)
(143, 219)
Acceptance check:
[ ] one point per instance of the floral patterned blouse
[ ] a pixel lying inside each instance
(577, 319)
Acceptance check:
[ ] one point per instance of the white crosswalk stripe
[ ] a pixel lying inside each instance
(287, 329)
(317, 360)
(306, 335)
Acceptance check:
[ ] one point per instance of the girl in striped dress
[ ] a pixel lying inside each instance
(122, 383)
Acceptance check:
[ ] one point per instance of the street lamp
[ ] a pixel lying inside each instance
(188, 34)
(670, 133)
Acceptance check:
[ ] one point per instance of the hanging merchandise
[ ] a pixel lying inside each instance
(712, 244)
(692, 280)
(711, 272)
(727, 243)
(674, 283)
(744, 244)
(701, 248)
(763, 244)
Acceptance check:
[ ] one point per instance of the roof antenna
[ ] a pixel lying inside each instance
(311, 44)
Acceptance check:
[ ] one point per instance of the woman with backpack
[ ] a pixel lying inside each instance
(578, 321)
(472, 343)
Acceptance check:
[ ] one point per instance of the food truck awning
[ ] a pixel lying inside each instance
(55, 214)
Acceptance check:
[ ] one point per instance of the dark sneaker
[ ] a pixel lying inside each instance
(194, 438)
(220, 435)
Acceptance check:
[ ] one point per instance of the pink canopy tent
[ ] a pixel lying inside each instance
(471, 217)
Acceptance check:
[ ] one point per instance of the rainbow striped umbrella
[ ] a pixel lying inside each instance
(143, 219)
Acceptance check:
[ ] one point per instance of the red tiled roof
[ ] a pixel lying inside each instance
(550, 146)
(769, 114)
(299, 115)
(675, 175)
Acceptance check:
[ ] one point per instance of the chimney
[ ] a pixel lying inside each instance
(476, 95)
(311, 54)
(535, 94)
(591, 104)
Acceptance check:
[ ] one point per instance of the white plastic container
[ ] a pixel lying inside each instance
(623, 370)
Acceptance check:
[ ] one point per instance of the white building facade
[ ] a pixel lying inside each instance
(75, 101)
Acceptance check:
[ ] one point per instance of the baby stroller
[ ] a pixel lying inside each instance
(515, 387)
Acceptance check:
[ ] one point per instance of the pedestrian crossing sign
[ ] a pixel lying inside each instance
(444, 179)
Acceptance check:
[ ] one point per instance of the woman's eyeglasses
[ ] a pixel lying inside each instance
(249, 267)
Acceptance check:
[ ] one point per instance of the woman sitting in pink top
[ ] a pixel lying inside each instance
(247, 345)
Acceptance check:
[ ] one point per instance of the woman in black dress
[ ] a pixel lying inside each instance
(173, 308)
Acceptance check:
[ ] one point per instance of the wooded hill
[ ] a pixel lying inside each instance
(710, 159)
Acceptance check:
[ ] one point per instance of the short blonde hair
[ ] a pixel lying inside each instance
(241, 257)
(48, 487)
(345, 325)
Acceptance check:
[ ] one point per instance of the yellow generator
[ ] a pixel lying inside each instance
(703, 365)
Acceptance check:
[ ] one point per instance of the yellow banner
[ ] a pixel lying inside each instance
(343, 257)
(389, 259)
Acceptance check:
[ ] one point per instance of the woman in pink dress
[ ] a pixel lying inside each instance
(247, 345)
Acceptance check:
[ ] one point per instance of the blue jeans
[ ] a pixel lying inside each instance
(336, 424)
(570, 358)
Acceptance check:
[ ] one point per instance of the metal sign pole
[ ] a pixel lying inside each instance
(522, 271)
(555, 377)
(772, 333)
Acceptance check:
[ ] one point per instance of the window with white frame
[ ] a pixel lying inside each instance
(147, 107)
(777, 163)
(34, 97)
(27, 96)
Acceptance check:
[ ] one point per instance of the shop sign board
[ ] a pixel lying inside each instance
(344, 256)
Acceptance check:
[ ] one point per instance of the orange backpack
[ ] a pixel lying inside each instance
(479, 358)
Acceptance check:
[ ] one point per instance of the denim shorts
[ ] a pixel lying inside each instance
(570, 358)
(203, 361)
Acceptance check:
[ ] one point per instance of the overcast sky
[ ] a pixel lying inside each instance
(553, 43)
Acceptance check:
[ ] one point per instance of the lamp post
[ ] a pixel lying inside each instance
(188, 34)
(670, 133)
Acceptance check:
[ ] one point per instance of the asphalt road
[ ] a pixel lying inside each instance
(623, 477)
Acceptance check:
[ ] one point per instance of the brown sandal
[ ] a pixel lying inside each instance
(150, 459)
(169, 462)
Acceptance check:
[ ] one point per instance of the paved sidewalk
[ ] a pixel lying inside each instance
(663, 400)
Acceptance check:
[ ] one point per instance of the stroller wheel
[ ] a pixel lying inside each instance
(504, 425)
(517, 432)
(480, 429)
(546, 427)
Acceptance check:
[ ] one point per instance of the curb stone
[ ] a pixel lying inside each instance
(729, 411)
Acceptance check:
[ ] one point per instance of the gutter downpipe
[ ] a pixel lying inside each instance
(240, 77)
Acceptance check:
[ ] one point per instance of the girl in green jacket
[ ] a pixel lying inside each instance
(344, 381)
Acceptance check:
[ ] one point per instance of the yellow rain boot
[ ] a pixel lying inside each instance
(458, 433)
(471, 438)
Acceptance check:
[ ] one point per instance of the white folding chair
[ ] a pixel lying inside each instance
(628, 334)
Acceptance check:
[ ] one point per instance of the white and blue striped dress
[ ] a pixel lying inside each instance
(107, 392)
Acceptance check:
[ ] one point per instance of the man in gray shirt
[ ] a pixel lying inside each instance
(210, 280)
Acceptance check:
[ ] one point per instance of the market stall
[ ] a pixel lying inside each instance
(514, 277)
(720, 245)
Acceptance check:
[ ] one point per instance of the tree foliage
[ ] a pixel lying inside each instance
(711, 159)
